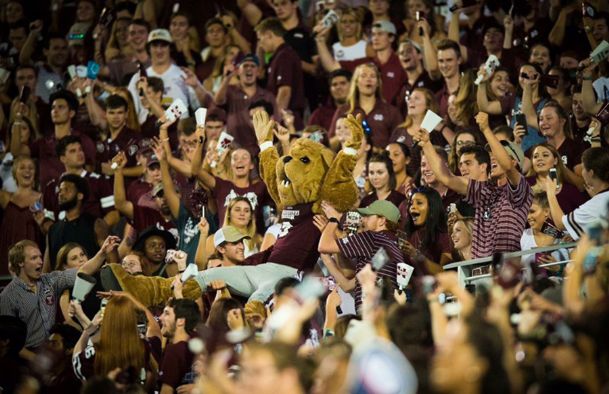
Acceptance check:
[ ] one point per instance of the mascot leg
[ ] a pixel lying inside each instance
(149, 290)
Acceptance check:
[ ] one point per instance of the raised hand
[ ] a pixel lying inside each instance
(330, 211)
(357, 131)
(320, 222)
(482, 120)
(110, 243)
(263, 126)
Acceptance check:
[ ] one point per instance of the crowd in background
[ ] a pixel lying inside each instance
(105, 159)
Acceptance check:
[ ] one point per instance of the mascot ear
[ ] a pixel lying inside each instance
(327, 156)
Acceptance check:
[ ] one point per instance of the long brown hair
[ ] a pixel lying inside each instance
(251, 226)
(120, 345)
(430, 102)
(353, 97)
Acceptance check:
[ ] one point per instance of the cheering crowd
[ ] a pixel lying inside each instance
(132, 135)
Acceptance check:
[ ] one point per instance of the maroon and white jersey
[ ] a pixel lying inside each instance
(297, 242)
(100, 201)
(127, 141)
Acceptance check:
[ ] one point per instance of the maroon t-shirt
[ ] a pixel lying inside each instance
(285, 69)
(100, 201)
(323, 115)
(176, 366)
(49, 165)
(296, 245)
(256, 193)
(571, 152)
(393, 77)
(423, 81)
(383, 119)
(568, 198)
(127, 141)
(238, 121)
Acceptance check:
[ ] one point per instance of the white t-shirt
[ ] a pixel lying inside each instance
(353, 52)
(175, 88)
(577, 222)
(527, 242)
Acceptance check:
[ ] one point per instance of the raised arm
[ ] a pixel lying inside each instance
(430, 53)
(25, 56)
(264, 127)
(325, 55)
(93, 265)
(528, 109)
(121, 203)
(173, 200)
(501, 155)
(484, 104)
(556, 211)
(201, 257)
(448, 179)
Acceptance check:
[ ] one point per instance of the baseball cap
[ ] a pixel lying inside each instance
(228, 234)
(514, 150)
(152, 159)
(250, 57)
(385, 26)
(160, 35)
(382, 208)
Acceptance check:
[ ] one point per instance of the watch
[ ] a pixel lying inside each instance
(333, 220)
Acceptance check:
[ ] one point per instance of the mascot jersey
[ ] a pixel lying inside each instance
(297, 243)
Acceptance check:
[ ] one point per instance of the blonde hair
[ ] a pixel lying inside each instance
(251, 226)
(465, 101)
(430, 103)
(353, 97)
(18, 161)
(350, 12)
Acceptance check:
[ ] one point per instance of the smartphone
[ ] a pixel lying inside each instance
(603, 114)
(521, 119)
(420, 15)
(329, 19)
(549, 229)
(367, 128)
(550, 81)
(24, 94)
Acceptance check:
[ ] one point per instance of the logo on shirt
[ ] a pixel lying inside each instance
(49, 298)
(100, 147)
(564, 159)
(378, 117)
(340, 54)
(390, 74)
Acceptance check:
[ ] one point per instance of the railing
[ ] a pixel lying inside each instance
(464, 268)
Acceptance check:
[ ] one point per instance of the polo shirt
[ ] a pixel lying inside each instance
(501, 215)
(571, 152)
(393, 77)
(577, 222)
(37, 310)
(322, 116)
(285, 69)
(361, 247)
(80, 230)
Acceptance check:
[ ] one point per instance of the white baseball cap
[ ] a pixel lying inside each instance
(160, 35)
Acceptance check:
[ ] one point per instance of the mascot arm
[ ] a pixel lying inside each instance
(339, 187)
(268, 162)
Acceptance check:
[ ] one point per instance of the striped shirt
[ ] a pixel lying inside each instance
(361, 247)
(36, 309)
(577, 222)
(501, 215)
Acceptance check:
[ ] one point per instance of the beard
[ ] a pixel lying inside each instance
(68, 205)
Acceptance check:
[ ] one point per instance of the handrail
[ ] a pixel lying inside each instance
(519, 253)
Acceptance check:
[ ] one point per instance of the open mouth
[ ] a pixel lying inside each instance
(286, 182)
(415, 216)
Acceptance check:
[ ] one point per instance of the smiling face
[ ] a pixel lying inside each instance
(500, 83)
(241, 163)
(31, 267)
(550, 124)
(85, 11)
(537, 216)
(57, 54)
(348, 26)
(427, 175)
(540, 55)
(136, 36)
(470, 168)
(419, 209)
(179, 27)
(76, 258)
(378, 175)
(461, 235)
(531, 72)
(367, 81)
(233, 252)
(241, 214)
(25, 172)
(417, 104)
(543, 160)
(398, 158)
(448, 62)
(493, 40)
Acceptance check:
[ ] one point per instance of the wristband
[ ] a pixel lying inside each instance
(266, 145)
(350, 151)
(333, 220)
